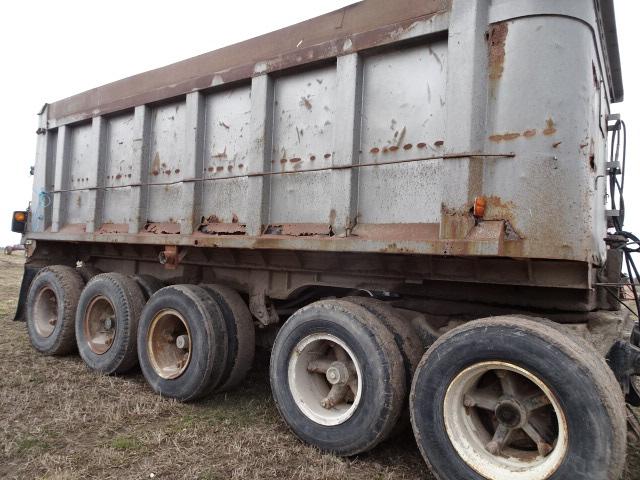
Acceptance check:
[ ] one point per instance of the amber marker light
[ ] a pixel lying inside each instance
(479, 205)
(19, 216)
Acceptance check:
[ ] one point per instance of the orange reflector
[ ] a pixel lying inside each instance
(19, 216)
(479, 205)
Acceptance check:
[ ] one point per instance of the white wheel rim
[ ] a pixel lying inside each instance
(325, 379)
(524, 407)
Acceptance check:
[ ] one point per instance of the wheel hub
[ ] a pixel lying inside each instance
(169, 344)
(511, 413)
(503, 420)
(338, 374)
(324, 378)
(100, 324)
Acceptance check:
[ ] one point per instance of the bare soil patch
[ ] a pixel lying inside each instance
(60, 421)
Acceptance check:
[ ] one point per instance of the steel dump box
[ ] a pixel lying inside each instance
(376, 128)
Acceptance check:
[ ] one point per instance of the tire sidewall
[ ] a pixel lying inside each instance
(208, 348)
(588, 425)
(360, 430)
(46, 279)
(124, 342)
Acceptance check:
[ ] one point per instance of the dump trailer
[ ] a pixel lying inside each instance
(416, 204)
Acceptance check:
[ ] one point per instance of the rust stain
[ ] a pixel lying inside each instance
(162, 228)
(118, 176)
(393, 148)
(557, 144)
(312, 158)
(219, 169)
(114, 228)
(439, 143)
(327, 155)
(300, 229)
(304, 102)
(551, 128)
(155, 173)
(374, 150)
(295, 160)
(504, 137)
(529, 133)
(177, 170)
(213, 226)
(155, 166)
(408, 146)
(167, 172)
(283, 160)
(497, 40)
(222, 154)
(210, 169)
(422, 145)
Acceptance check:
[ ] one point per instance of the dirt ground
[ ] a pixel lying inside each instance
(59, 421)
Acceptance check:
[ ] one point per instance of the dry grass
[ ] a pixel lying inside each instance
(59, 421)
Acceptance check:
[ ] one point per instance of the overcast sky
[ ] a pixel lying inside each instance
(54, 49)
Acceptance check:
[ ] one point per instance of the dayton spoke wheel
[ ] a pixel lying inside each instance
(505, 418)
(325, 379)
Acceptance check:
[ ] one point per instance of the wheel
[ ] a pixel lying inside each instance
(407, 341)
(107, 323)
(403, 334)
(510, 398)
(182, 342)
(240, 332)
(87, 272)
(51, 308)
(149, 285)
(337, 377)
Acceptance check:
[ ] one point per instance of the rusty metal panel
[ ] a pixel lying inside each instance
(396, 117)
(304, 114)
(166, 154)
(81, 174)
(116, 206)
(226, 153)
(402, 119)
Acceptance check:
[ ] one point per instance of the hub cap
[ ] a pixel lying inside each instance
(325, 379)
(169, 344)
(100, 325)
(505, 423)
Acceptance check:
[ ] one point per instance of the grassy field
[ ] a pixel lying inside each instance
(59, 421)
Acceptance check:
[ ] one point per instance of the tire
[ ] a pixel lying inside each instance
(359, 350)
(87, 272)
(241, 334)
(582, 397)
(114, 298)
(405, 337)
(51, 308)
(192, 371)
(149, 285)
(407, 341)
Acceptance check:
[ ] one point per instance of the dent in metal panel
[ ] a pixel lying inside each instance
(226, 153)
(304, 109)
(118, 169)
(403, 118)
(82, 174)
(166, 151)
